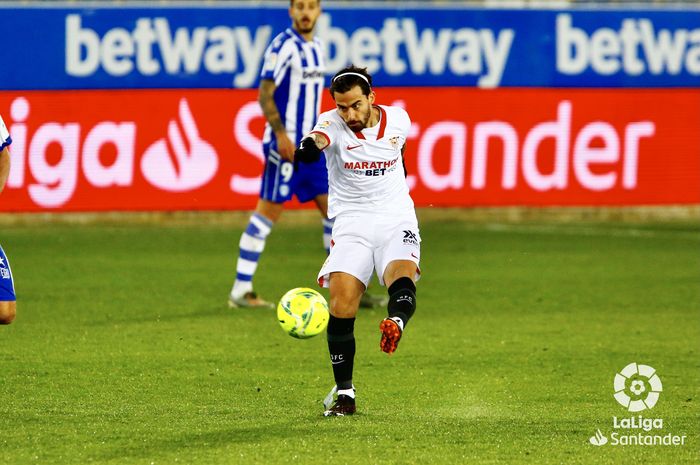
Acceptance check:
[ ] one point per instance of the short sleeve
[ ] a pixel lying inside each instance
(276, 58)
(404, 122)
(326, 127)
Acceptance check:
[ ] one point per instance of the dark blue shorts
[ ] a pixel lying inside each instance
(281, 179)
(7, 287)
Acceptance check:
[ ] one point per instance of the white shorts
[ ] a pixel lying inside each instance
(363, 243)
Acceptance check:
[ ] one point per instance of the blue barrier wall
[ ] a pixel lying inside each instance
(201, 47)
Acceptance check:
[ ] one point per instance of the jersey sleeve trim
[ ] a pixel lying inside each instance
(382, 123)
(6, 143)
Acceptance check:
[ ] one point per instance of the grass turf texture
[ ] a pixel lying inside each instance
(124, 351)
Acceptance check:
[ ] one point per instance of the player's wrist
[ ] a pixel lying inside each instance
(280, 132)
(308, 151)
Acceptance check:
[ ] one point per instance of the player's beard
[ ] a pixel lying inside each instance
(305, 25)
(360, 124)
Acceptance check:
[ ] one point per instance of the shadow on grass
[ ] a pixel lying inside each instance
(153, 448)
(177, 314)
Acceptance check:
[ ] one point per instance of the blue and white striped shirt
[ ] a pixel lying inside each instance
(5, 138)
(297, 67)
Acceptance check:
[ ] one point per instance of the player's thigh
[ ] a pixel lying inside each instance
(351, 251)
(350, 257)
(345, 291)
(396, 254)
(8, 310)
(277, 184)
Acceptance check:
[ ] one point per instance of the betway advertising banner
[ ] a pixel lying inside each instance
(200, 149)
(206, 47)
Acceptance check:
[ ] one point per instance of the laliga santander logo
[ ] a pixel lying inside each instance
(195, 166)
(637, 387)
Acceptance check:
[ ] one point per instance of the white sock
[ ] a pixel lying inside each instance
(240, 288)
(347, 392)
(398, 321)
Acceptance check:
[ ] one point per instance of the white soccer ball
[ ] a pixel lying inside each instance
(303, 313)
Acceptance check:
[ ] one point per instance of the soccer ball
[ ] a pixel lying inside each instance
(303, 313)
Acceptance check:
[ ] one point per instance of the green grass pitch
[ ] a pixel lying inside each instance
(124, 351)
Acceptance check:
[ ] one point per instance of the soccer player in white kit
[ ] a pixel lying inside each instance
(8, 304)
(375, 221)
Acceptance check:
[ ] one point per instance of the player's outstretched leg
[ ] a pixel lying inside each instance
(341, 346)
(402, 305)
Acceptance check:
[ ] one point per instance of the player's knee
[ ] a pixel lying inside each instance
(8, 310)
(270, 210)
(344, 304)
(342, 308)
(399, 269)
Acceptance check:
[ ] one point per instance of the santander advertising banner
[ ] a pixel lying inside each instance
(181, 149)
(155, 107)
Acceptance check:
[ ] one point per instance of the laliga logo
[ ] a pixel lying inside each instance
(637, 387)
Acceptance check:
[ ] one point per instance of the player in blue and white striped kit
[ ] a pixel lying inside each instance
(291, 86)
(8, 304)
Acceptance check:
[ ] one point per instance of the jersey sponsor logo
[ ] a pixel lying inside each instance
(369, 165)
(371, 168)
(324, 124)
(352, 147)
(312, 74)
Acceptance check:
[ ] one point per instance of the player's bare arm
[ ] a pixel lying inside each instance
(320, 140)
(4, 167)
(266, 92)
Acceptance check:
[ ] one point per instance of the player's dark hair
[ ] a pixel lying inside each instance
(291, 3)
(347, 78)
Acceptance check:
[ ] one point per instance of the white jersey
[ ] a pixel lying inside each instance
(365, 169)
(5, 138)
